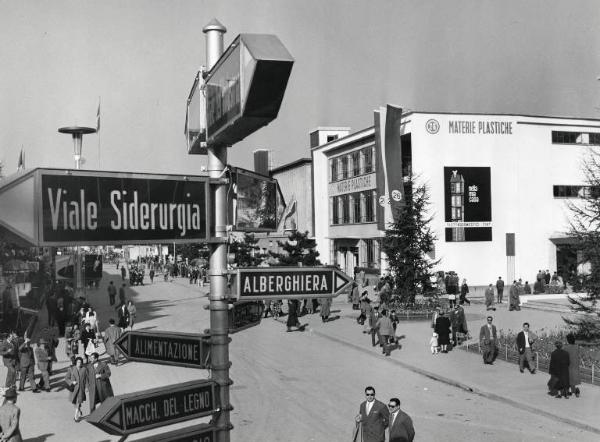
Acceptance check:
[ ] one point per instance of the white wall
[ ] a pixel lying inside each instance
(523, 166)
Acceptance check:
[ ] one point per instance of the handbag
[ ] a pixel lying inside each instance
(70, 387)
(91, 348)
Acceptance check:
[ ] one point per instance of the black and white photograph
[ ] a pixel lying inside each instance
(299, 221)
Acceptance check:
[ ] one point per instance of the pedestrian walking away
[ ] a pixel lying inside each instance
(525, 340)
(76, 380)
(574, 375)
(111, 334)
(123, 316)
(500, 289)
(43, 362)
(373, 418)
(385, 329)
(112, 293)
(464, 291)
(122, 294)
(559, 372)
(488, 341)
(442, 328)
(10, 415)
(489, 298)
(401, 425)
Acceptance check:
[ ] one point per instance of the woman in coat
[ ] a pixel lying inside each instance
(132, 311)
(325, 308)
(442, 328)
(76, 379)
(574, 376)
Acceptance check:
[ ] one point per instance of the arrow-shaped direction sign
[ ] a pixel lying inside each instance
(196, 433)
(181, 349)
(258, 283)
(143, 410)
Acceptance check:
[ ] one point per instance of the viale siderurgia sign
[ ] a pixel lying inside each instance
(122, 208)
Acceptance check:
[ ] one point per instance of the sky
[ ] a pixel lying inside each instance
(139, 58)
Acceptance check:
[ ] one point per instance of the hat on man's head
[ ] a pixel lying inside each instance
(42, 341)
(11, 393)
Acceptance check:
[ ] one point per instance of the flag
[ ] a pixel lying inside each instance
(98, 117)
(21, 164)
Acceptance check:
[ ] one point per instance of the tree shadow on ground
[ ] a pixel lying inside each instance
(42, 438)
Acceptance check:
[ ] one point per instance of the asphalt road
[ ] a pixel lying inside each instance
(300, 386)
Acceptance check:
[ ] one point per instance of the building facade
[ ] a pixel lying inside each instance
(498, 188)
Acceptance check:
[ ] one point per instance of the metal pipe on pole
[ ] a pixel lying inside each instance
(217, 162)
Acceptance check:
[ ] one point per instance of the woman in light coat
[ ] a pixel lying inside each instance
(76, 378)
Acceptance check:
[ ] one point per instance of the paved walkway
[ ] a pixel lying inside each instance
(502, 381)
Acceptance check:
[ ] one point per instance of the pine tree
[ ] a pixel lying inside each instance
(407, 242)
(246, 251)
(298, 249)
(585, 228)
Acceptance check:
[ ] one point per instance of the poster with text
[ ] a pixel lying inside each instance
(468, 204)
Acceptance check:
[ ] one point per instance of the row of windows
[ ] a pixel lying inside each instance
(562, 137)
(576, 192)
(358, 162)
(353, 208)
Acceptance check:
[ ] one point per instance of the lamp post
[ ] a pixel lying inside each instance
(77, 133)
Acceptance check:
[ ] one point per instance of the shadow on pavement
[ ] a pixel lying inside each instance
(42, 438)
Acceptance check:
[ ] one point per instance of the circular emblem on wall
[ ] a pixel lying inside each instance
(383, 200)
(396, 195)
(432, 126)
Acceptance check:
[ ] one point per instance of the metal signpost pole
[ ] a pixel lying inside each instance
(77, 133)
(217, 162)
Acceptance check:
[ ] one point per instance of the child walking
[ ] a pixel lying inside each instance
(433, 342)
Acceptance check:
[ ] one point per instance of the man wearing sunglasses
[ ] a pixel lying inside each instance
(374, 417)
(401, 426)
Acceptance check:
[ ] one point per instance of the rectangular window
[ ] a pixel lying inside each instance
(356, 208)
(344, 167)
(562, 137)
(576, 191)
(370, 252)
(595, 139)
(333, 163)
(369, 206)
(368, 152)
(345, 209)
(356, 163)
(335, 218)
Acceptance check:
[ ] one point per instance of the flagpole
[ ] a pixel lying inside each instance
(98, 130)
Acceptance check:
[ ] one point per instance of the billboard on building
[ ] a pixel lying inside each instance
(468, 204)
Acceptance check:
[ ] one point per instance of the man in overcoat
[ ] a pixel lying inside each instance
(488, 340)
(374, 417)
(401, 426)
(9, 418)
(111, 334)
(559, 372)
(98, 381)
(43, 363)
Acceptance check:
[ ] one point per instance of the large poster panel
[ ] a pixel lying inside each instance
(468, 204)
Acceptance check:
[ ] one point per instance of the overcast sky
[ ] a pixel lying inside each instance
(141, 56)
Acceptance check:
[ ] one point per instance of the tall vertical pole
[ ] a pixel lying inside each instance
(77, 274)
(217, 162)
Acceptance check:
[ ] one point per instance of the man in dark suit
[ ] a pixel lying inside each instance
(27, 364)
(401, 426)
(488, 340)
(525, 340)
(374, 417)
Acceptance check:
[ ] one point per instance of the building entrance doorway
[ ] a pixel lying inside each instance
(566, 261)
